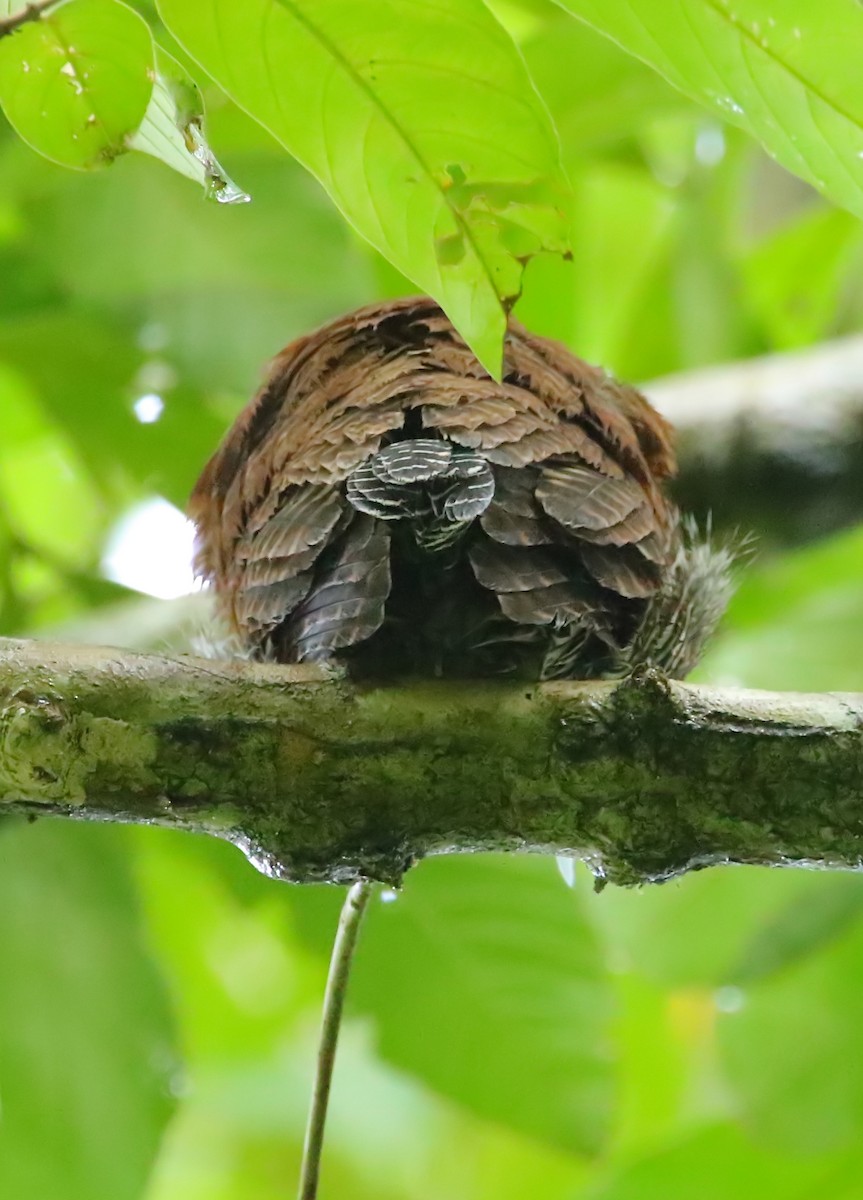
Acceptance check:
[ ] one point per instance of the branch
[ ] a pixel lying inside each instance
(773, 442)
(30, 12)
(321, 779)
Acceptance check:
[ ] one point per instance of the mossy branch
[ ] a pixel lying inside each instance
(321, 779)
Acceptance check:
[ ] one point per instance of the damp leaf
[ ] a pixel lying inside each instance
(787, 73)
(420, 121)
(75, 84)
(173, 132)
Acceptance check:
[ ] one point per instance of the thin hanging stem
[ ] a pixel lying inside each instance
(351, 917)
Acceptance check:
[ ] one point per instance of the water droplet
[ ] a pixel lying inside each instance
(155, 375)
(68, 69)
(153, 337)
(730, 105)
(218, 186)
(566, 866)
(148, 408)
(729, 999)
(25, 67)
(710, 145)
(388, 896)
(796, 32)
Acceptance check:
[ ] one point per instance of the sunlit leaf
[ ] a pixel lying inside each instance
(86, 1040)
(76, 83)
(422, 124)
(173, 131)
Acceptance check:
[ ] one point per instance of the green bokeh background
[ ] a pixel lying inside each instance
(507, 1036)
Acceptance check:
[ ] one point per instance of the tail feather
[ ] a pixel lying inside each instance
(683, 615)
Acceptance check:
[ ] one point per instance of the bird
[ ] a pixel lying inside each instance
(384, 504)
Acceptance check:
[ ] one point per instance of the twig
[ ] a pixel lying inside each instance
(31, 12)
(334, 999)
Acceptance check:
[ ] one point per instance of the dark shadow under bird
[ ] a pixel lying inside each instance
(384, 502)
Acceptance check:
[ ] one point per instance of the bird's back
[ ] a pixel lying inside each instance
(382, 500)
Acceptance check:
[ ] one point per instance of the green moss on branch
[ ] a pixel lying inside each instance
(320, 779)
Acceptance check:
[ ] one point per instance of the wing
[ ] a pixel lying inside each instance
(578, 462)
(577, 530)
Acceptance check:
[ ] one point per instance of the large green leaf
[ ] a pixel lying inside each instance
(693, 932)
(715, 1163)
(420, 121)
(75, 84)
(789, 73)
(814, 918)
(86, 1041)
(484, 980)
(793, 1050)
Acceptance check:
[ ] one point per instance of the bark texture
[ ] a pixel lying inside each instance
(318, 779)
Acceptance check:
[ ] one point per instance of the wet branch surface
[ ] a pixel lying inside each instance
(320, 779)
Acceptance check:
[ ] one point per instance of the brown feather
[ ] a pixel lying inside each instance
(576, 535)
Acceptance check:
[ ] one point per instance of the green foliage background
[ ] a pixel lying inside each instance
(508, 1036)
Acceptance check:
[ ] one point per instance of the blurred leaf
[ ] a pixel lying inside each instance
(86, 1043)
(621, 219)
(794, 1051)
(173, 131)
(85, 377)
(804, 924)
(621, 226)
(714, 1164)
(788, 74)
(248, 1001)
(795, 277)
(615, 94)
(652, 1064)
(795, 622)
(692, 931)
(484, 981)
(422, 124)
(218, 290)
(76, 82)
